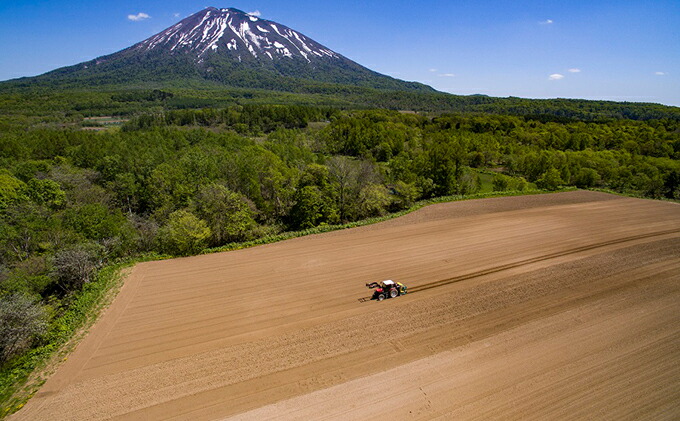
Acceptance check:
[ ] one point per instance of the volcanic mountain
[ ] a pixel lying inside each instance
(227, 47)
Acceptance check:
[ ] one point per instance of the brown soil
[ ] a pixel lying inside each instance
(560, 306)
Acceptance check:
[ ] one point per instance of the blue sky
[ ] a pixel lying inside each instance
(625, 50)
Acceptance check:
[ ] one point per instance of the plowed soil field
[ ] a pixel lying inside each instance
(560, 306)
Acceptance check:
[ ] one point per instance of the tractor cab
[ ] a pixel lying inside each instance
(388, 284)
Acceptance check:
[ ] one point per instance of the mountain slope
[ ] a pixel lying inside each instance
(229, 47)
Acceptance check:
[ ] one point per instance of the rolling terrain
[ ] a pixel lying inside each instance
(560, 306)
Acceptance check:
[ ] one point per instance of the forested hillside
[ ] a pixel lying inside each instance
(177, 181)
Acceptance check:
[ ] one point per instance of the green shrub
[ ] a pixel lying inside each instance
(184, 234)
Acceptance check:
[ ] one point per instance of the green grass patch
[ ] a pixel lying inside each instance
(486, 180)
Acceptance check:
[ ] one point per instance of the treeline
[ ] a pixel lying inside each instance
(35, 105)
(179, 181)
(624, 155)
(246, 119)
(55, 108)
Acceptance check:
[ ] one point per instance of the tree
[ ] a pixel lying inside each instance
(312, 208)
(519, 184)
(404, 195)
(96, 221)
(265, 179)
(501, 182)
(373, 200)
(672, 185)
(74, 267)
(315, 175)
(47, 192)
(24, 229)
(147, 231)
(11, 189)
(169, 188)
(227, 214)
(184, 234)
(348, 176)
(29, 276)
(21, 322)
(441, 168)
(587, 177)
(444, 164)
(550, 180)
(127, 189)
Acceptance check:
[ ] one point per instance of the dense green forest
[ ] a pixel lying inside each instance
(175, 179)
(22, 107)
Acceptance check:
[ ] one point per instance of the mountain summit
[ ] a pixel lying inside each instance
(228, 47)
(236, 34)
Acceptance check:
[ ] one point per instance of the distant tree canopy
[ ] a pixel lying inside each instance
(247, 119)
(41, 103)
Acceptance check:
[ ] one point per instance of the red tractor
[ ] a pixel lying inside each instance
(386, 289)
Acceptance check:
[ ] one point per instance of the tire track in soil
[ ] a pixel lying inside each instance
(501, 268)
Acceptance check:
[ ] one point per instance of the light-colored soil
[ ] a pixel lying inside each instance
(560, 306)
(107, 119)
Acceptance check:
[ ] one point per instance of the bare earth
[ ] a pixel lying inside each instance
(562, 306)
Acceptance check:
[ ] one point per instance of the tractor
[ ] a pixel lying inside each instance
(386, 289)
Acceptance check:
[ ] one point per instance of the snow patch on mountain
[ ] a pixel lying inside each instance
(234, 30)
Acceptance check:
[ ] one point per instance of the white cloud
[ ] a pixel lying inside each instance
(574, 70)
(546, 22)
(555, 76)
(447, 75)
(433, 70)
(255, 13)
(660, 73)
(139, 16)
(176, 15)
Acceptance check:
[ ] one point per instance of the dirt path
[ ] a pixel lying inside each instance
(552, 306)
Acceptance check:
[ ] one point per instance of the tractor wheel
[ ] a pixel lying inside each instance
(394, 293)
(381, 297)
